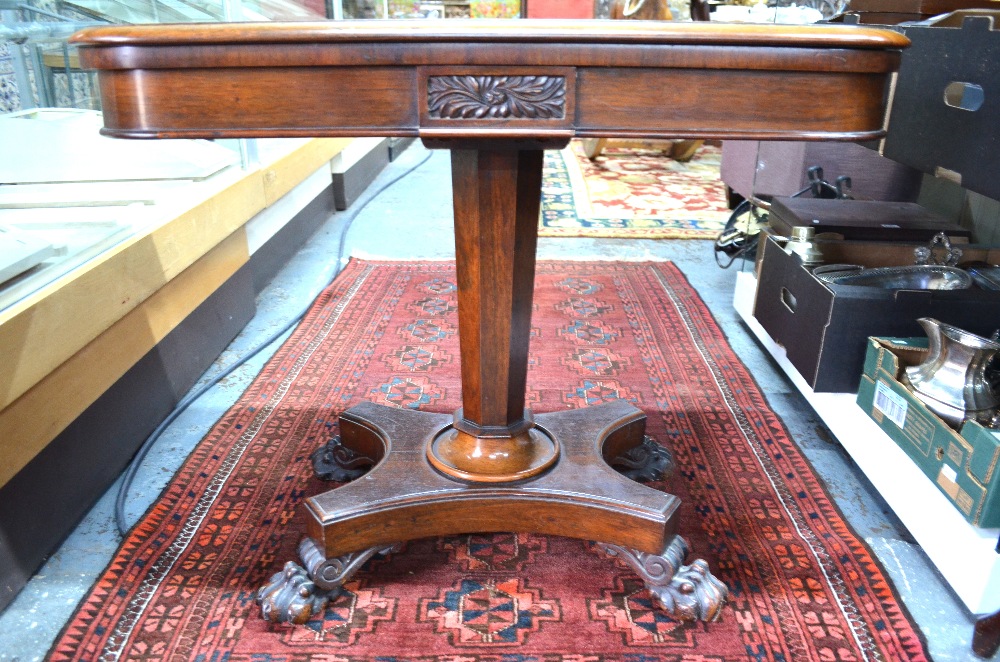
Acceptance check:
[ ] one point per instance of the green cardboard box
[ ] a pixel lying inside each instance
(965, 464)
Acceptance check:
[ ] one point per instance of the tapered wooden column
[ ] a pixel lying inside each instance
(497, 191)
(496, 197)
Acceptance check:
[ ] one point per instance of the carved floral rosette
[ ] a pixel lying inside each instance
(496, 97)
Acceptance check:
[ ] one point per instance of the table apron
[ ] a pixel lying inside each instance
(493, 101)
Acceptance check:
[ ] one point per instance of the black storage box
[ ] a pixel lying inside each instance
(825, 328)
(862, 220)
(944, 112)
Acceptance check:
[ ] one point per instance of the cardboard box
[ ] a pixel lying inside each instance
(944, 107)
(964, 465)
(825, 328)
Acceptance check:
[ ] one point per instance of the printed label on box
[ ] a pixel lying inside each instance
(890, 404)
(916, 424)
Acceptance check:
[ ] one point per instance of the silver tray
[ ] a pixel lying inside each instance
(915, 277)
(986, 276)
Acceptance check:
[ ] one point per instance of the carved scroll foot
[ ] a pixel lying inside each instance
(336, 462)
(291, 597)
(647, 461)
(686, 592)
(297, 594)
(986, 636)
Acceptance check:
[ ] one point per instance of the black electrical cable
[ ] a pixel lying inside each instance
(186, 401)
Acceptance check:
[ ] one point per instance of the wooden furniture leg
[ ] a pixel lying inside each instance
(594, 147)
(679, 150)
(493, 465)
(986, 636)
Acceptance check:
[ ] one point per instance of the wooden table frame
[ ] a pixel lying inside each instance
(495, 93)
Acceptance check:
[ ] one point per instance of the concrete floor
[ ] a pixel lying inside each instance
(421, 202)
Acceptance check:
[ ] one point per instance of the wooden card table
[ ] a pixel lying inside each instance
(496, 94)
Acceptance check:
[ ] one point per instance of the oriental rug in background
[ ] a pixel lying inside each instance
(803, 586)
(632, 192)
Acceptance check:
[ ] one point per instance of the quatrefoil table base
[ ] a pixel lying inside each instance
(404, 497)
(495, 93)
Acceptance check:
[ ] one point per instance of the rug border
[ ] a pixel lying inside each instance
(823, 482)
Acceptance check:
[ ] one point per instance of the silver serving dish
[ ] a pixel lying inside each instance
(986, 276)
(915, 277)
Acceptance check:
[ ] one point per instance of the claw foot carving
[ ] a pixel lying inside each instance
(298, 593)
(291, 597)
(336, 462)
(686, 592)
(647, 461)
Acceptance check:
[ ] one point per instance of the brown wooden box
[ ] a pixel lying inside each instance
(886, 17)
(925, 7)
(862, 220)
(768, 168)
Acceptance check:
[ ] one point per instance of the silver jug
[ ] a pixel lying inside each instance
(957, 379)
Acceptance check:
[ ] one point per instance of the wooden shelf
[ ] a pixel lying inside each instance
(966, 556)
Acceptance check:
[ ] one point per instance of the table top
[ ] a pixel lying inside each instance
(480, 79)
(545, 31)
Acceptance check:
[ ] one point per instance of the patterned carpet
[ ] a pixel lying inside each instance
(630, 192)
(803, 586)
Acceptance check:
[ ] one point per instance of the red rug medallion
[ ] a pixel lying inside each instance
(803, 587)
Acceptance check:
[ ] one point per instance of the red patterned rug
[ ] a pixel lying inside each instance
(803, 587)
(632, 192)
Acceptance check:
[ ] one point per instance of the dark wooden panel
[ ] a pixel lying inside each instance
(717, 104)
(267, 101)
(517, 97)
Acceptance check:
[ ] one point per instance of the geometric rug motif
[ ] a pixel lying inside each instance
(595, 361)
(592, 392)
(632, 192)
(492, 552)
(802, 585)
(352, 613)
(488, 612)
(416, 358)
(629, 610)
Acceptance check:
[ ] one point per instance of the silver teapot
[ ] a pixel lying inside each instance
(958, 379)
